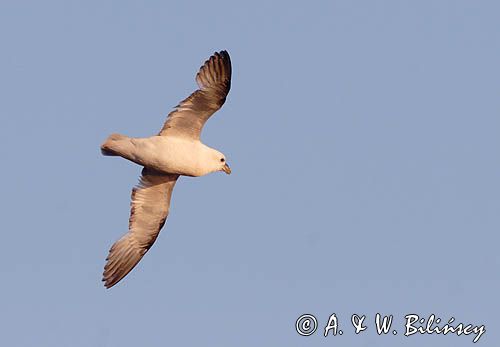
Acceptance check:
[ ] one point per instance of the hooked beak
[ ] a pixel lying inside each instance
(226, 169)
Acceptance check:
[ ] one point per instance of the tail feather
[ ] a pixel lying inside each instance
(111, 146)
(108, 152)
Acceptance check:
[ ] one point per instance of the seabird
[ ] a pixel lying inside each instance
(175, 151)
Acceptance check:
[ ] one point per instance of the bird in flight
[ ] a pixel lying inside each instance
(175, 151)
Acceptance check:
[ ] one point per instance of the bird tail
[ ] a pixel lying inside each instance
(114, 144)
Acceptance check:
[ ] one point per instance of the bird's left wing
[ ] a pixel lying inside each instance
(214, 80)
(149, 210)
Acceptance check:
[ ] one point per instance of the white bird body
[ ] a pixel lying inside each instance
(168, 154)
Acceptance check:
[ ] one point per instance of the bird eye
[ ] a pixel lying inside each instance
(222, 160)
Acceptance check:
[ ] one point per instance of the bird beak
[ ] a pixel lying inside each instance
(226, 169)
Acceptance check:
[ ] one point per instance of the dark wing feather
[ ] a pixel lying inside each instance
(149, 210)
(214, 81)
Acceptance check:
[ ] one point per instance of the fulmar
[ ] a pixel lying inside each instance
(175, 151)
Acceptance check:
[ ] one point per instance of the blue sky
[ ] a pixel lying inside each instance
(364, 142)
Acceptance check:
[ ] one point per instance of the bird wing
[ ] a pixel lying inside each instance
(149, 210)
(214, 81)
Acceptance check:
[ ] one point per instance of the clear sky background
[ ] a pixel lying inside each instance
(364, 142)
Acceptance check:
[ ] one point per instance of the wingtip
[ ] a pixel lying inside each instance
(224, 55)
(216, 72)
(106, 284)
(107, 281)
(110, 280)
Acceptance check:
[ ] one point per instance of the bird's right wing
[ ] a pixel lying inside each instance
(149, 210)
